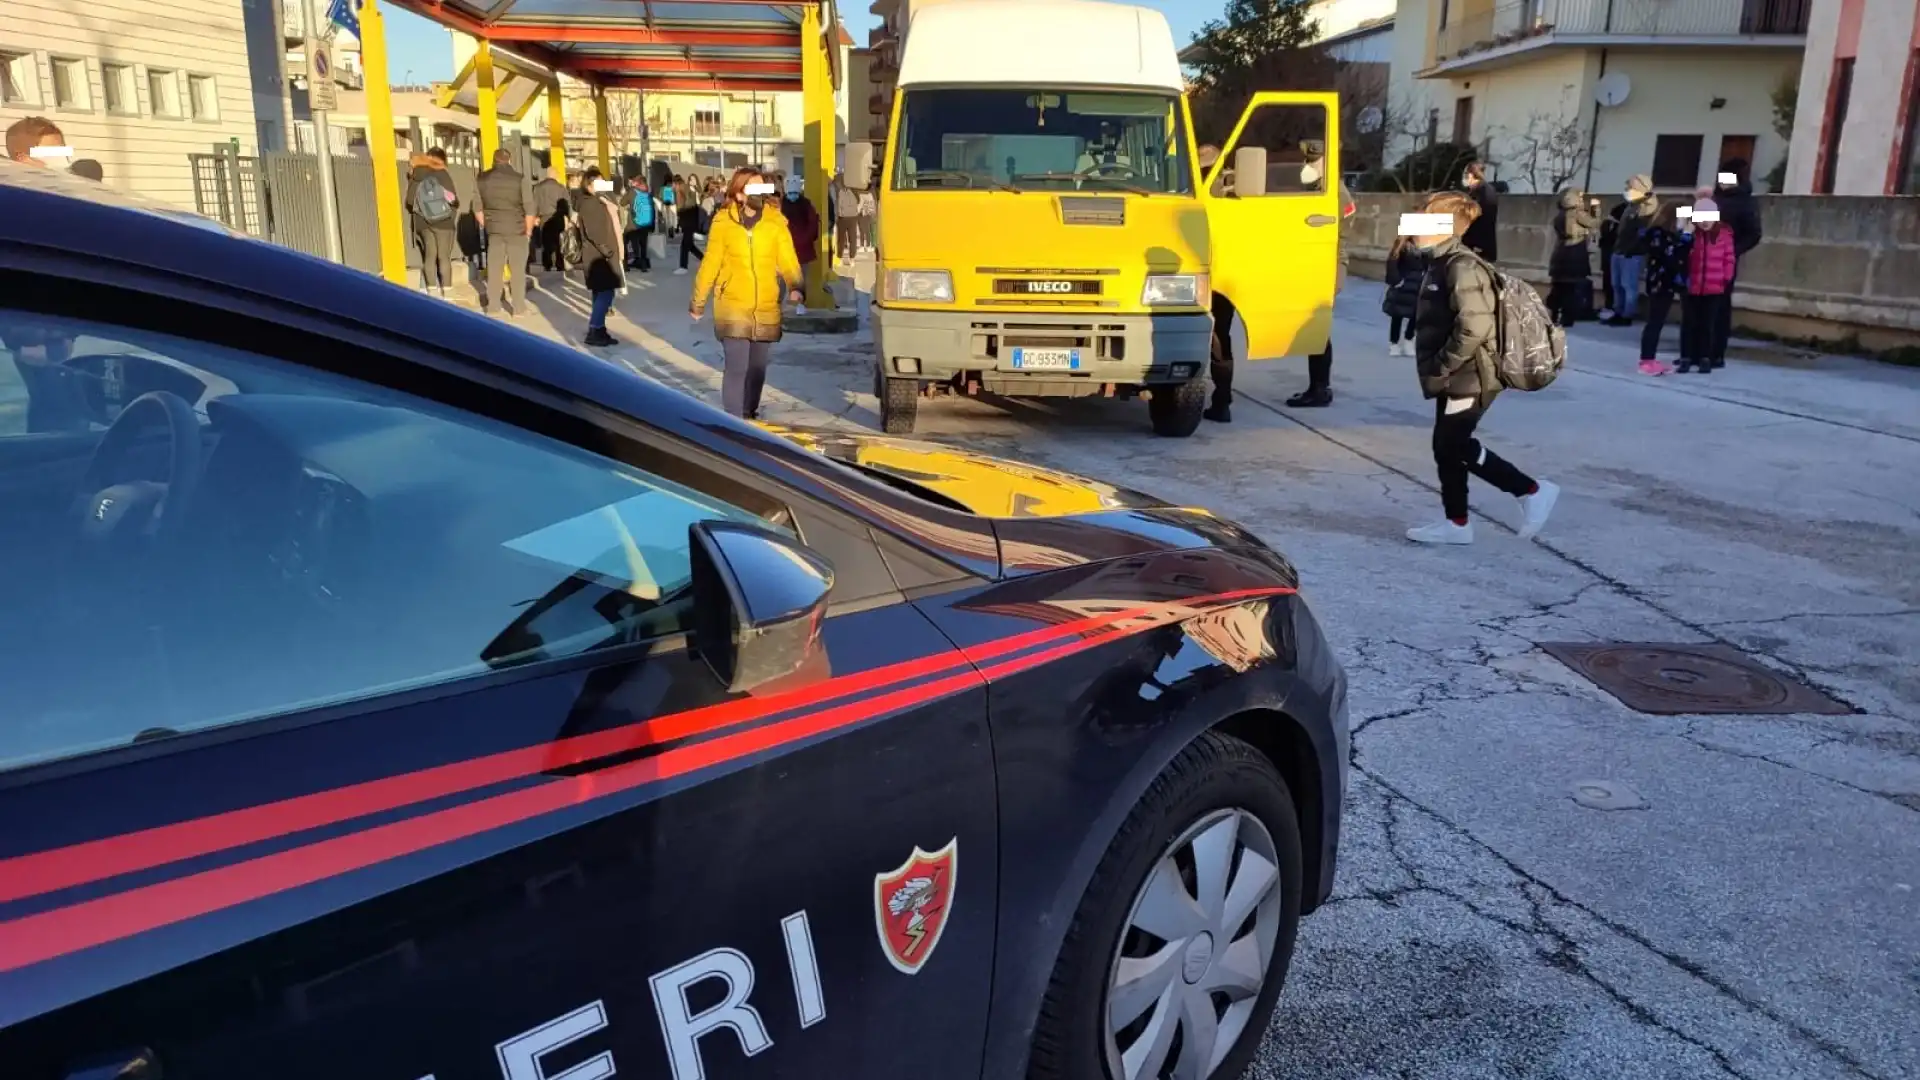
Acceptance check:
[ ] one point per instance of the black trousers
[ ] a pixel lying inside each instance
(689, 221)
(1702, 323)
(1221, 369)
(1563, 301)
(550, 230)
(1395, 324)
(1458, 454)
(638, 254)
(1320, 368)
(1606, 275)
(1659, 306)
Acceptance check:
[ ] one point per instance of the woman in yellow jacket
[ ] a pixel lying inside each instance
(749, 254)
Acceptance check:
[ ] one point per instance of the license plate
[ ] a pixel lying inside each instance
(1046, 359)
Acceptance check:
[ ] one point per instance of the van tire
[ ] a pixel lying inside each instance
(899, 405)
(1176, 410)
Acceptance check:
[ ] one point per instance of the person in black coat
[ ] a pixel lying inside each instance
(1406, 266)
(1483, 236)
(601, 250)
(1570, 267)
(1741, 215)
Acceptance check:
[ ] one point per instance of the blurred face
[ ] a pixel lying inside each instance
(753, 194)
(50, 151)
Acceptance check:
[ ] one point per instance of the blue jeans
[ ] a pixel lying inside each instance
(1626, 284)
(602, 303)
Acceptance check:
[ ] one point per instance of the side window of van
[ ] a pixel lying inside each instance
(1294, 137)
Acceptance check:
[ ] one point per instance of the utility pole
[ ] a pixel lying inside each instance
(329, 208)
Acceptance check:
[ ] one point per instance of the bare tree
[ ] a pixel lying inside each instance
(1548, 152)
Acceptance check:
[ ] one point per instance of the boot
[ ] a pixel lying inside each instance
(1313, 397)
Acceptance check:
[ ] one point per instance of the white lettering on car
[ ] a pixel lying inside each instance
(807, 992)
(682, 1028)
(520, 1055)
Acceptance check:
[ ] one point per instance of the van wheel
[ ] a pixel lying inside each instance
(1175, 410)
(899, 404)
(1176, 956)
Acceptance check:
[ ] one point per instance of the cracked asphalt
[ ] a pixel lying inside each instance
(1756, 914)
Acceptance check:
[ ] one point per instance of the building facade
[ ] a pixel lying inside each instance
(1588, 93)
(1854, 129)
(136, 87)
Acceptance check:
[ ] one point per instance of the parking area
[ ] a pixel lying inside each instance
(1536, 880)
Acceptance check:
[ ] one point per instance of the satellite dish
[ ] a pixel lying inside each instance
(1370, 119)
(1612, 89)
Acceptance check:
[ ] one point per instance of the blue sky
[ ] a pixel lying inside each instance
(419, 51)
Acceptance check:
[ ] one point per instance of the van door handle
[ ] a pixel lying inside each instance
(1318, 220)
(137, 1063)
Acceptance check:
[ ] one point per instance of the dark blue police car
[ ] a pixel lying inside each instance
(391, 694)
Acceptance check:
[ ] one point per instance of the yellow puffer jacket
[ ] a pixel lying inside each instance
(743, 271)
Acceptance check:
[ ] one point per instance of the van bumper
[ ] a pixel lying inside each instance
(1113, 349)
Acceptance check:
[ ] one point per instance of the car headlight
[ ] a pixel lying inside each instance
(919, 286)
(1184, 290)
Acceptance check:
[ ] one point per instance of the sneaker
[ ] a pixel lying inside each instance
(1311, 398)
(599, 338)
(1537, 507)
(682, 272)
(1441, 532)
(1605, 315)
(1651, 366)
(1684, 367)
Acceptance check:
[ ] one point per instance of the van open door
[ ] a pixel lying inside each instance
(1274, 207)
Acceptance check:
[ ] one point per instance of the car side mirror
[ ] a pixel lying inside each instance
(1250, 171)
(758, 598)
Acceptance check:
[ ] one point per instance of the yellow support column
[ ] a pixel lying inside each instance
(816, 89)
(386, 164)
(601, 124)
(489, 102)
(557, 132)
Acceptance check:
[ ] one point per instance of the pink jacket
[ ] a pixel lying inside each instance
(1711, 262)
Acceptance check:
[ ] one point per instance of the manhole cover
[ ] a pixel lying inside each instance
(1675, 680)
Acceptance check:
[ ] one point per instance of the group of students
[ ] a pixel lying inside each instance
(1659, 249)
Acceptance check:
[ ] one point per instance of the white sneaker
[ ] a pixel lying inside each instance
(1605, 314)
(1537, 507)
(680, 272)
(1441, 532)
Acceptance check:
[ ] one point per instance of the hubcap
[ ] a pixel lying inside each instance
(1194, 953)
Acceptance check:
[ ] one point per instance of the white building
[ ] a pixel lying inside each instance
(1857, 122)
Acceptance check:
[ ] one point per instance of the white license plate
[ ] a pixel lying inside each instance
(1046, 359)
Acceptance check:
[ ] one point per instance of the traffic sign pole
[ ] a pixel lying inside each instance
(319, 72)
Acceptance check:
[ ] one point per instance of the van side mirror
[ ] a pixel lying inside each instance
(759, 599)
(1250, 171)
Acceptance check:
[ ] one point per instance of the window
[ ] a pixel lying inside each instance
(1676, 161)
(1463, 120)
(1445, 10)
(341, 541)
(1839, 97)
(201, 99)
(70, 83)
(19, 83)
(116, 82)
(706, 122)
(962, 138)
(1294, 137)
(163, 90)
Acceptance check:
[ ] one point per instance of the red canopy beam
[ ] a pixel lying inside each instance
(680, 65)
(765, 86)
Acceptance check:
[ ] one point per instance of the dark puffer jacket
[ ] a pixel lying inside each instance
(1631, 239)
(1455, 329)
(1404, 272)
(1741, 214)
(1574, 225)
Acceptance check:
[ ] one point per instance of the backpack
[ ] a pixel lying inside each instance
(571, 251)
(430, 200)
(1530, 348)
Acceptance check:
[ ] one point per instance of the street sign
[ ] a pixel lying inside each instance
(321, 93)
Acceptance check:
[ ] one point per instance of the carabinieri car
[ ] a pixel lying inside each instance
(389, 693)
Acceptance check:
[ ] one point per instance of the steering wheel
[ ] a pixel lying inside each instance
(145, 508)
(1100, 167)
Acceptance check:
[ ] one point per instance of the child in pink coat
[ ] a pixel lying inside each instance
(1710, 267)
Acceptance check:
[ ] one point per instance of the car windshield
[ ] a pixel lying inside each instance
(957, 138)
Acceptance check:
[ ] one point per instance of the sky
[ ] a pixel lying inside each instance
(419, 52)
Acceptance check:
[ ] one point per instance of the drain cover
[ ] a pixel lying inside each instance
(1682, 679)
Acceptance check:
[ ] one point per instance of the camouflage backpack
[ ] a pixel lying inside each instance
(1531, 348)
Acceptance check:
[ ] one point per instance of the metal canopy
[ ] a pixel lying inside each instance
(713, 45)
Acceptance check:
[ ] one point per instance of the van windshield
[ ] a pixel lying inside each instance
(955, 138)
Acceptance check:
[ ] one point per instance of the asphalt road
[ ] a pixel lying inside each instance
(1751, 907)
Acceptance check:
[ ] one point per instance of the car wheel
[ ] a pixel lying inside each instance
(1177, 953)
(899, 404)
(1175, 410)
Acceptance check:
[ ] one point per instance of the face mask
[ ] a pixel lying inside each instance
(755, 202)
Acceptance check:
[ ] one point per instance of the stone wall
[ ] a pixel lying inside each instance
(1829, 268)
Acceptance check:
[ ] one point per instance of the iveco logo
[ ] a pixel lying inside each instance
(1049, 286)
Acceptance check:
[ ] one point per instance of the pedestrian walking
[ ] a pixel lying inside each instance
(1570, 267)
(550, 207)
(803, 221)
(639, 237)
(1483, 236)
(1456, 335)
(869, 215)
(1668, 247)
(601, 245)
(749, 257)
(506, 214)
(688, 226)
(1319, 391)
(846, 230)
(1711, 263)
(1406, 269)
(1630, 249)
(435, 210)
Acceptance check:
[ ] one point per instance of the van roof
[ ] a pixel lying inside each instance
(1041, 43)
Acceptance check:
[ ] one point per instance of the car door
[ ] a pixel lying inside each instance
(385, 753)
(1274, 211)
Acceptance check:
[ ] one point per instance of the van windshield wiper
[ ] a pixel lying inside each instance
(948, 174)
(1133, 189)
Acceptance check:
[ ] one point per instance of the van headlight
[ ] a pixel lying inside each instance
(1181, 290)
(919, 286)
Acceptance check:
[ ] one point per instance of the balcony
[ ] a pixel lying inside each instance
(701, 129)
(880, 104)
(1487, 39)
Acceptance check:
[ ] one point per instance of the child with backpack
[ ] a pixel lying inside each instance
(1464, 360)
(1707, 311)
(1666, 277)
(1406, 267)
(436, 210)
